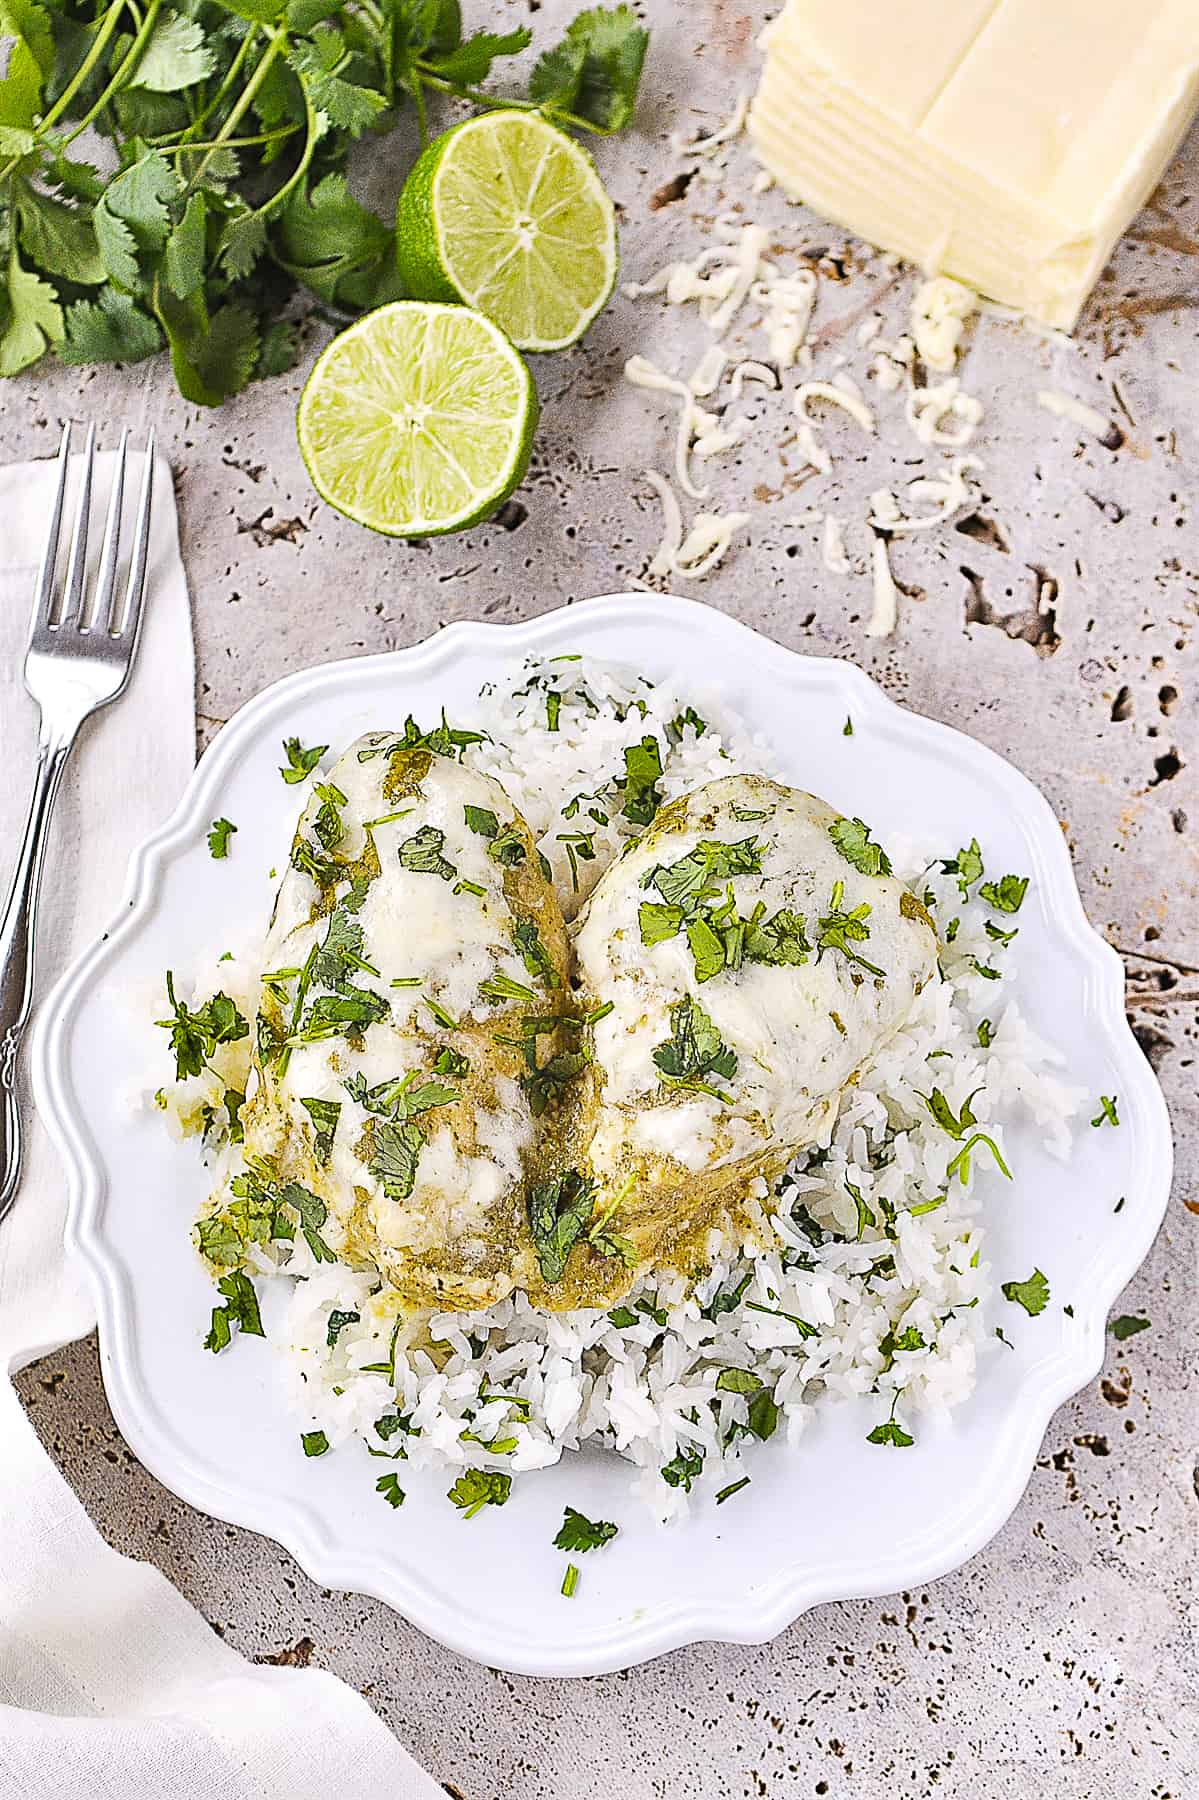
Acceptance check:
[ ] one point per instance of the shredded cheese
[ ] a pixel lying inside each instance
(947, 491)
(885, 616)
(1064, 406)
(694, 422)
(707, 543)
(706, 376)
(940, 309)
(847, 398)
(751, 371)
(663, 560)
(943, 414)
(836, 561)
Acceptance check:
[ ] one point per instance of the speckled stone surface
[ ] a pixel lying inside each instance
(1057, 622)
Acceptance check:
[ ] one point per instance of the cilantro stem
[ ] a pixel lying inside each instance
(479, 98)
(231, 76)
(297, 175)
(124, 69)
(184, 148)
(77, 81)
(278, 42)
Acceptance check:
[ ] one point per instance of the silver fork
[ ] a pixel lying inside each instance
(79, 657)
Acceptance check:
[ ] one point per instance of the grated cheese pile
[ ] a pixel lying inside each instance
(738, 283)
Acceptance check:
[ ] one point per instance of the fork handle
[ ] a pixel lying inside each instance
(17, 939)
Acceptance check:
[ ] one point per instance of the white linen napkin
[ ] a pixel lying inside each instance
(111, 1684)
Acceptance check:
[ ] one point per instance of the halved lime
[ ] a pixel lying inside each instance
(506, 213)
(418, 419)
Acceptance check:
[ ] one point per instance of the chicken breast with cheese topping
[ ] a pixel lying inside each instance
(754, 953)
(414, 973)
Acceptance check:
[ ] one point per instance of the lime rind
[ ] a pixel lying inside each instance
(507, 213)
(417, 420)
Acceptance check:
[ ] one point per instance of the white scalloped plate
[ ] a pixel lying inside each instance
(832, 1518)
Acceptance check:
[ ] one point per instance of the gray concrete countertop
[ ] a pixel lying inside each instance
(1058, 623)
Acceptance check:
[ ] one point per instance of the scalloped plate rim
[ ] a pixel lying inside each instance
(773, 1604)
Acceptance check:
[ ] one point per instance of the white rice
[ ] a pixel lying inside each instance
(647, 1389)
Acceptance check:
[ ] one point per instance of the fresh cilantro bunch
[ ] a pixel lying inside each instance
(221, 186)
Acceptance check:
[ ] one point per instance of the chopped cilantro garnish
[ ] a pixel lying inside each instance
(443, 740)
(559, 1211)
(196, 1034)
(338, 1321)
(853, 840)
(986, 1033)
(1107, 1114)
(546, 1085)
(323, 870)
(738, 1381)
(395, 1152)
(1006, 894)
(240, 1309)
(891, 1431)
(622, 1317)
(324, 1115)
(534, 955)
(773, 1312)
(498, 988)
(315, 1443)
(967, 865)
(1127, 1325)
(681, 721)
(683, 1469)
(482, 820)
(218, 838)
(445, 1019)
(847, 728)
(694, 1051)
(327, 825)
(477, 1488)
(463, 886)
(726, 1301)
(578, 1533)
(300, 762)
(734, 1487)
(1032, 1295)
(997, 934)
(580, 847)
(450, 1062)
(957, 1127)
(570, 1580)
(840, 930)
(553, 707)
(422, 853)
(866, 1217)
(389, 1486)
(643, 769)
(763, 1416)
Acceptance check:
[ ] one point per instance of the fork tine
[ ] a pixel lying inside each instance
(106, 581)
(77, 565)
(129, 626)
(43, 596)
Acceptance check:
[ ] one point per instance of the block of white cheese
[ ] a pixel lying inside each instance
(1004, 142)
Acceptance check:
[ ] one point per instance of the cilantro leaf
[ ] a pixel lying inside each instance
(840, 930)
(559, 1210)
(534, 955)
(1107, 1114)
(1006, 894)
(196, 1033)
(593, 75)
(853, 840)
(111, 328)
(578, 1533)
(1127, 1325)
(482, 820)
(777, 941)
(967, 865)
(694, 1051)
(176, 56)
(240, 1309)
(336, 246)
(422, 853)
(218, 838)
(315, 1443)
(395, 1153)
(470, 62)
(738, 1381)
(338, 1321)
(30, 322)
(643, 770)
(477, 1488)
(683, 1469)
(1032, 1295)
(300, 762)
(388, 1485)
(324, 1115)
(891, 1432)
(658, 922)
